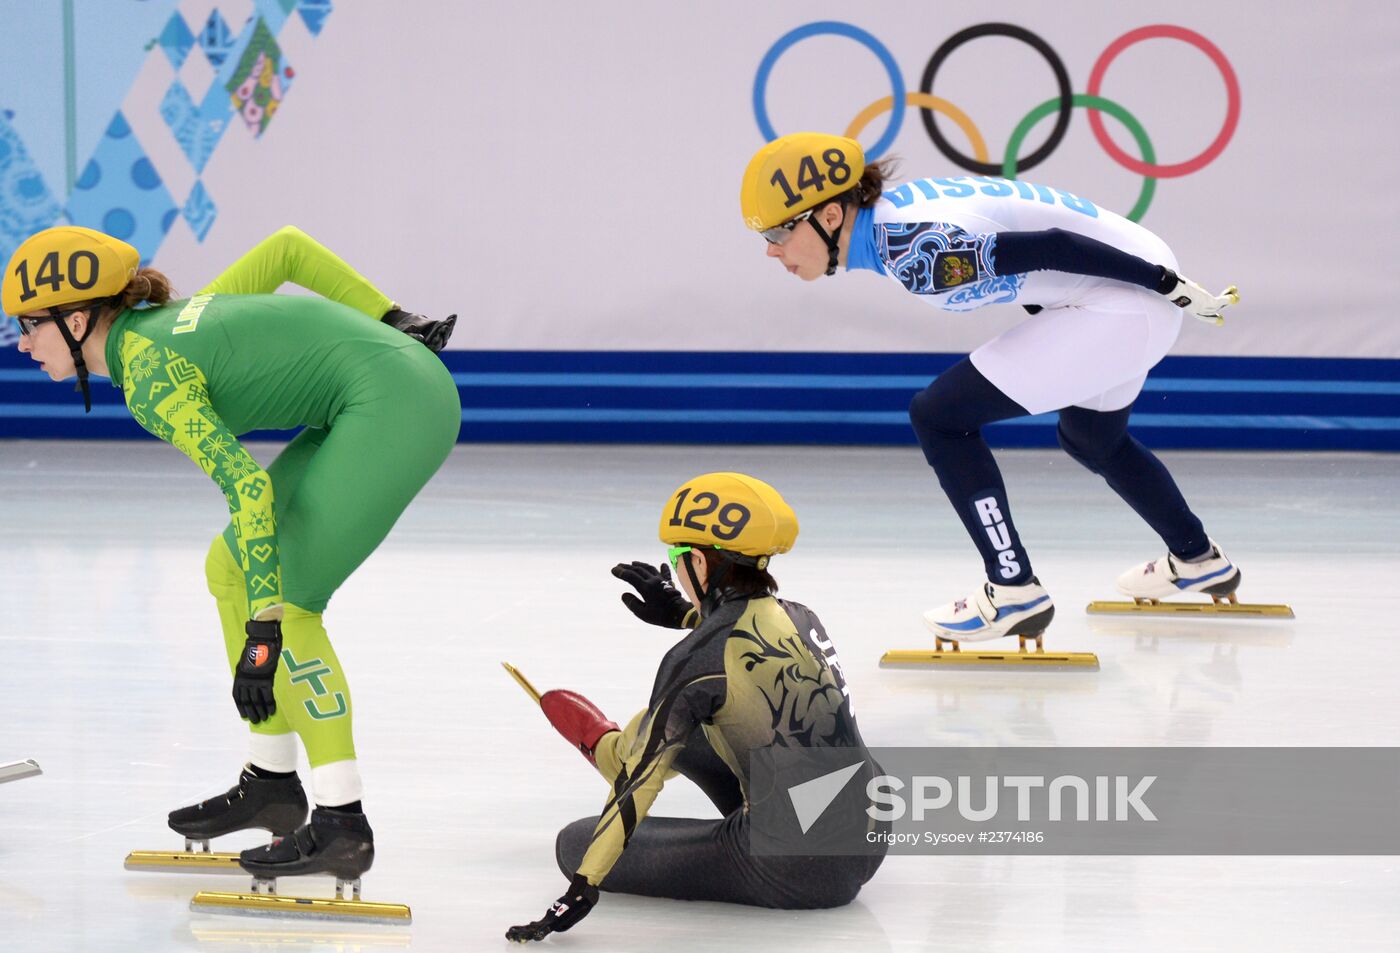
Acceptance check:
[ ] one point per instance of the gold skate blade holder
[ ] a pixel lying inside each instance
(264, 901)
(945, 656)
(201, 860)
(1228, 605)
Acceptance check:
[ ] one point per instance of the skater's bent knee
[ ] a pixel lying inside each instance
(221, 570)
(924, 410)
(572, 843)
(831, 895)
(934, 417)
(1085, 448)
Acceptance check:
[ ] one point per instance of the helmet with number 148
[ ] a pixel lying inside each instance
(807, 177)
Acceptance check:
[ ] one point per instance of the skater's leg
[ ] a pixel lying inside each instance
(1101, 442)
(286, 471)
(948, 417)
(688, 859)
(377, 456)
(268, 795)
(272, 746)
(314, 697)
(350, 485)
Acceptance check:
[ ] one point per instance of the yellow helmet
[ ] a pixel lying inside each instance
(796, 172)
(62, 265)
(732, 512)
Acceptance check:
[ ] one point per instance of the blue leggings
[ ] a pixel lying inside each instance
(948, 417)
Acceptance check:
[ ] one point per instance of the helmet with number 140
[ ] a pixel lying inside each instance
(64, 265)
(737, 514)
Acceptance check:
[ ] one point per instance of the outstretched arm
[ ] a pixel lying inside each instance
(291, 255)
(636, 762)
(933, 257)
(1059, 250)
(1055, 249)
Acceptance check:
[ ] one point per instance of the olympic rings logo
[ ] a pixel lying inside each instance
(1062, 105)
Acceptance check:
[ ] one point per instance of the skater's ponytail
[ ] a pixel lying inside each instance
(872, 182)
(147, 286)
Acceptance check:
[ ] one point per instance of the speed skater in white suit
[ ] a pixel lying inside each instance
(1105, 304)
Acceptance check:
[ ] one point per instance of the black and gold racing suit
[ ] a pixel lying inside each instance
(758, 671)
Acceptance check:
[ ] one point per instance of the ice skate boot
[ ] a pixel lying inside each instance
(339, 843)
(992, 612)
(1162, 578)
(1214, 575)
(277, 805)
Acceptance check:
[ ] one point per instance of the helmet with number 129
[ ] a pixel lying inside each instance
(731, 512)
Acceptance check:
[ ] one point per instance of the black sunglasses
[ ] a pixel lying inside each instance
(27, 325)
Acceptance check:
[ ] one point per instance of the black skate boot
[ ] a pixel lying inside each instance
(277, 805)
(339, 843)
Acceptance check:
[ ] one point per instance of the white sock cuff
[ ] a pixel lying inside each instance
(273, 752)
(337, 783)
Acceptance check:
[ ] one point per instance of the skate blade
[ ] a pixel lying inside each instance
(1252, 609)
(307, 908)
(288, 934)
(524, 682)
(19, 770)
(989, 660)
(183, 862)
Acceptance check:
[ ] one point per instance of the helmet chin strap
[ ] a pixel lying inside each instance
(707, 597)
(75, 347)
(833, 240)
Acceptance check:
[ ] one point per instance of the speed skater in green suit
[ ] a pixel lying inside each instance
(380, 413)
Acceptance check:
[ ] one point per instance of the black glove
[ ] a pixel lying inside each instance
(252, 679)
(567, 910)
(661, 603)
(430, 331)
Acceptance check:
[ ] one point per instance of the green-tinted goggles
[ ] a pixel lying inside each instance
(674, 554)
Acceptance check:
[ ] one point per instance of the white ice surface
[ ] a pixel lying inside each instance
(113, 679)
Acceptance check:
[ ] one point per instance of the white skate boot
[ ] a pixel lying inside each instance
(991, 612)
(1162, 578)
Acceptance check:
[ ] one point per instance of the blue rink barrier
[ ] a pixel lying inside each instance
(1265, 403)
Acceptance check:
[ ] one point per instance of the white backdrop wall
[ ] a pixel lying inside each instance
(566, 175)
